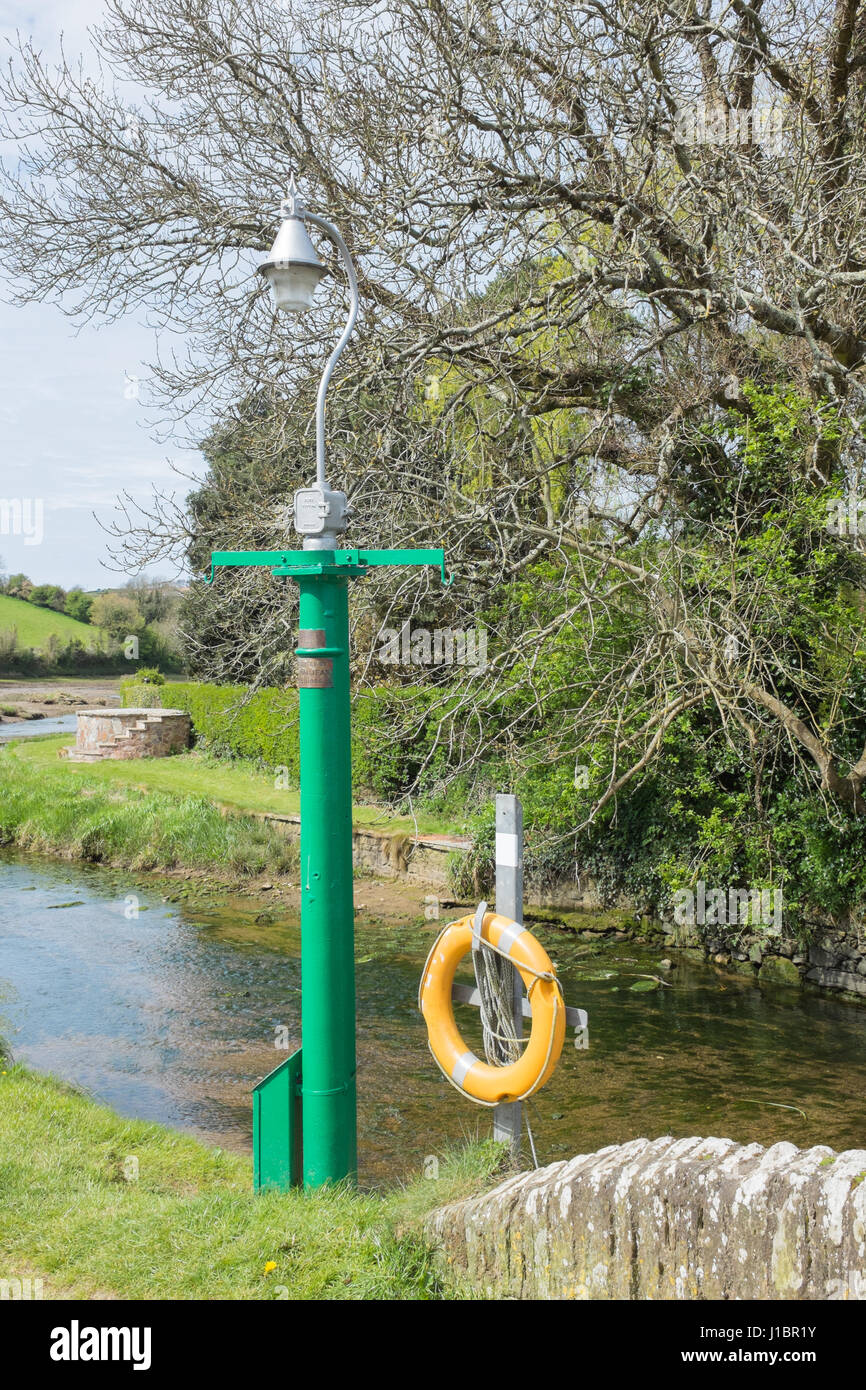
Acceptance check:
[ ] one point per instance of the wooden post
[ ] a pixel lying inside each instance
(508, 1117)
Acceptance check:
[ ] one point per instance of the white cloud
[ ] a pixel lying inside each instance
(45, 20)
(70, 436)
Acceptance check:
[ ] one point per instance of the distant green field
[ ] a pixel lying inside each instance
(35, 625)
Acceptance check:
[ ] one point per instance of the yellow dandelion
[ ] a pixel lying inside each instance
(270, 1266)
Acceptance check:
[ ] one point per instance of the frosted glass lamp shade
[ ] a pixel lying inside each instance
(293, 284)
(292, 269)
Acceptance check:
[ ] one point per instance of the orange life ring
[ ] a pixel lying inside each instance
(486, 1084)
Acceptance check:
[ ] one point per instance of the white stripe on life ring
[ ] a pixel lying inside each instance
(462, 1066)
(508, 936)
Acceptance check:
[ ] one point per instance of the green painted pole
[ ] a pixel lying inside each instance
(324, 1066)
(327, 903)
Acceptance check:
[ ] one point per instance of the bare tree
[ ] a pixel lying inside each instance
(581, 230)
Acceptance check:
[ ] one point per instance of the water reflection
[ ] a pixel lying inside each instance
(172, 1015)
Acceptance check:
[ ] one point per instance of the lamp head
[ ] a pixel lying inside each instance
(292, 267)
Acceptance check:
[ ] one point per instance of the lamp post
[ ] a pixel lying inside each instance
(304, 1112)
(328, 1090)
(293, 271)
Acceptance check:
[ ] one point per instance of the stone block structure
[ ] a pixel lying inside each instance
(128, 733)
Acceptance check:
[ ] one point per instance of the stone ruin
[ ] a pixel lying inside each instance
(128, 733)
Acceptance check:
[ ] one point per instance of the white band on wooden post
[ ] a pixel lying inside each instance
(508, 1116)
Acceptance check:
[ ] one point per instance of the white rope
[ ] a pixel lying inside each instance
(530, 1135)
(494, 977)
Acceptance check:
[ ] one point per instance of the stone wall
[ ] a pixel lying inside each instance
(835, 957)
(668, 1219)
(128, 733)
(422, 860)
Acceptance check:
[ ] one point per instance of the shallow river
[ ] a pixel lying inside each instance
(33, 728)
(169, 1013)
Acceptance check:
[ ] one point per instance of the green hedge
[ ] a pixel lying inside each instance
(389, 728)
(230, 720)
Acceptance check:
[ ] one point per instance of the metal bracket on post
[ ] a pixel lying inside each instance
(578, 1019)
(296, 563)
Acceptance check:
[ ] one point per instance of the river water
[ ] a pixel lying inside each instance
(38, 728)
(169, 1013)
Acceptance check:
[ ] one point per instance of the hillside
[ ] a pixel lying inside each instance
(35, 625)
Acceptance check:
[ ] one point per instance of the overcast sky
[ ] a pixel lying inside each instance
(72, 432)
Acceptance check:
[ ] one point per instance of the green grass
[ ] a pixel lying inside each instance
(189, 1227)
(35, 625)
(68, 811)
(240, 786)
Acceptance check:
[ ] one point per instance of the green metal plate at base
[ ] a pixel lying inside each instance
(278, 1160)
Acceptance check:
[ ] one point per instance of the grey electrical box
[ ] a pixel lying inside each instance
(320, 512)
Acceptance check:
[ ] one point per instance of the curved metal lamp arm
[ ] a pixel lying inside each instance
(332, 361)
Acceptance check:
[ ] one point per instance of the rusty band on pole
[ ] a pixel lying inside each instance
(317, 674)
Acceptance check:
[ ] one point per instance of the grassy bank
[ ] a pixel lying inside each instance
(35, 625)
(189, 1227)
(239, 786)
(57, 809)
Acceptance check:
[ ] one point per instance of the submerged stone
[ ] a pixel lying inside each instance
(779, 970)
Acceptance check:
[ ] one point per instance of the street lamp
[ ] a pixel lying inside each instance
(304, 1112)
(293, 271)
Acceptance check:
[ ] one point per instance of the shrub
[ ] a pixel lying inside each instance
(78, 605)
(233, 721)
(118, 614)
(137, 696)
(389, 728)
(48, 596)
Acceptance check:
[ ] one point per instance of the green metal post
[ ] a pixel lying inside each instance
(322, 1148)
(327, 903)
